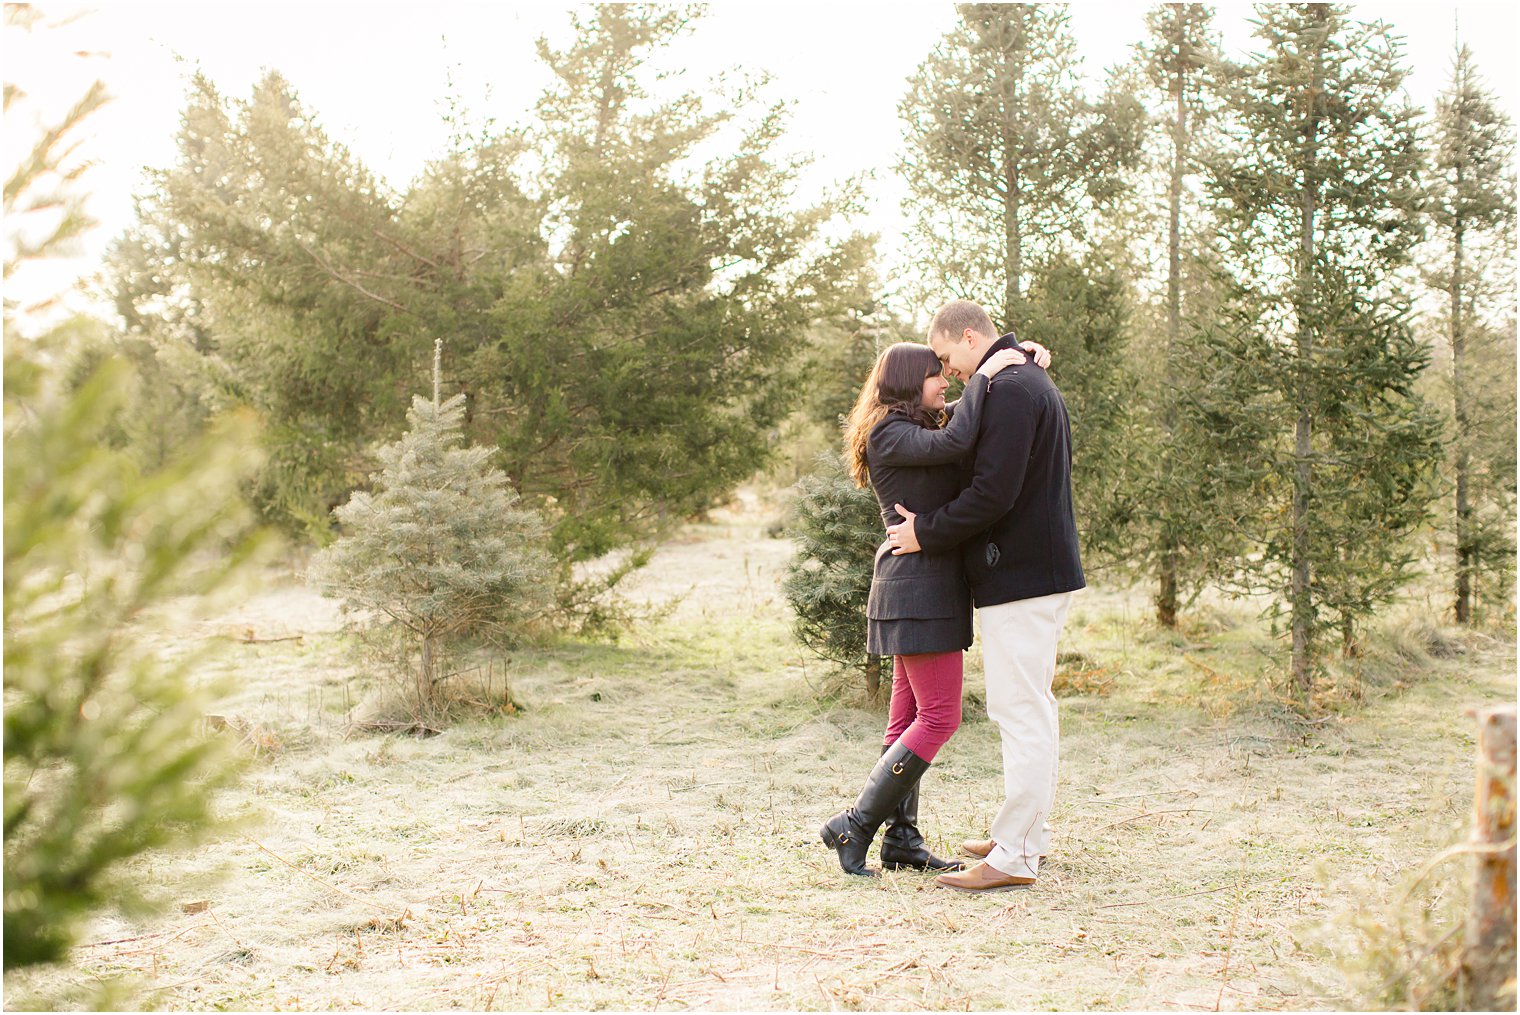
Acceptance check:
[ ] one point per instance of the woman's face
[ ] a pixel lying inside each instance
(934, 391)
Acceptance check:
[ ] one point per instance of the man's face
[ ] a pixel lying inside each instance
(960, 358)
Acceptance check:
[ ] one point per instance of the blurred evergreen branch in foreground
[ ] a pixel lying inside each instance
(105, 756)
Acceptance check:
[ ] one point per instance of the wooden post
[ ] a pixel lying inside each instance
(1490, 953)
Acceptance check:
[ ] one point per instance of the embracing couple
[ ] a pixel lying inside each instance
(978, 511)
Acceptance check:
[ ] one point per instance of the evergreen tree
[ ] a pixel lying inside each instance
(836, 531)
(105, 757)
(624, 314)
(440, 550)
(1472, 206)
(1009, 167)
(840, 349)
(268, 267)
(1005, 159)
(1081, 309)
(1183, 521)
(844, 344)
(1317, 197)
(642, 380)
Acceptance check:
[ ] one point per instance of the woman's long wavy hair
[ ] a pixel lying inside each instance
(895, 384)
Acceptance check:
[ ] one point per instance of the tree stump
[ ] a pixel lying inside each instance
(1490, 951)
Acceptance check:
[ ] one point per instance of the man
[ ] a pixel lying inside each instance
(1018, 537)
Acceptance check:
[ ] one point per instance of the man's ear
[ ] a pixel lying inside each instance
(972, 338)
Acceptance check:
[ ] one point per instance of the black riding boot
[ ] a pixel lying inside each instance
(851, 830)
(902, 845)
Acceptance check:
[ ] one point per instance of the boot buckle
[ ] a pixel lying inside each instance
(897, 768)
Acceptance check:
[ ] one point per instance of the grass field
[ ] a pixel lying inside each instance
(644, 834)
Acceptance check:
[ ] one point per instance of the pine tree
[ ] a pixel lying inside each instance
(105, 752)
(1005, 159)
(840, 349)
(1185, 522)
(1318, 197)
(268, 267)
(623, 314)
(844, 344)
(836, 531)
(440, 550)
(641, 381)
(1472, 208)
(1082, 310)
(1009, 167)
(106, 758)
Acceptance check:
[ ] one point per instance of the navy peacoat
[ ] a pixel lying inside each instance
(1013, 524)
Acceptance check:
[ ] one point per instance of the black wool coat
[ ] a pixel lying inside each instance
(920, 601)
(1013, 522)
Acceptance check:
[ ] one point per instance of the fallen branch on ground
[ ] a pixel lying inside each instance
(250, 639)
(1186, 895)
(1151, 814)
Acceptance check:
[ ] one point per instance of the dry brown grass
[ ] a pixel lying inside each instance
(644, 835)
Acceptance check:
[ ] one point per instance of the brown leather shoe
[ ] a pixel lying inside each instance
(982, 878)
(982, 848)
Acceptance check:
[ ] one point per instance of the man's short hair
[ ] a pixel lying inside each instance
(952, 320)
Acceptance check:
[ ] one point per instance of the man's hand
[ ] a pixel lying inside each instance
(901, 536)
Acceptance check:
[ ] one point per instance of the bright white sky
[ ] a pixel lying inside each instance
(375, 74)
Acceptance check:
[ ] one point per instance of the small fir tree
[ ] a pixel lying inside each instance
(837, 530)
(441, 552)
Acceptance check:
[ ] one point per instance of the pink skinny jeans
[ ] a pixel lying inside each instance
(926, 702)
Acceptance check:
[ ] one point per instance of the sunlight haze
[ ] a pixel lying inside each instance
(378, 76)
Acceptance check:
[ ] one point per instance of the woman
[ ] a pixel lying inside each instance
(919, 609)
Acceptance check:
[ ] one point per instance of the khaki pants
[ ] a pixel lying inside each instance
(1019, 656)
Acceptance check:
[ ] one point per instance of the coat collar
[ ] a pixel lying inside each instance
(1008, 341)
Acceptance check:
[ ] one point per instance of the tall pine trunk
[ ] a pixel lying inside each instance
(1012, 291)
(1473, 205)
(1166, 592)
(425, 675)
(1013, 235)
(1300, 593)
(1465, 549)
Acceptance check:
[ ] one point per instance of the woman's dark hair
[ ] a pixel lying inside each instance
(895, 384)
